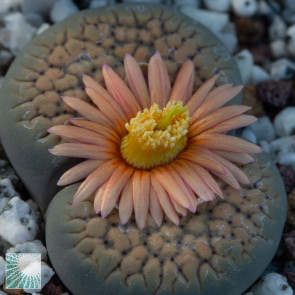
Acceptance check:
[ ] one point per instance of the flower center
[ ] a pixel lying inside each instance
(155, 136)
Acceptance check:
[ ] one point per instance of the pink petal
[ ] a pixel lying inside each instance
(116, 183)
(95, 179)
(199, 96)
(78, 172)
(82, 150)
(136, 81)
(183, 85)
(126, 202)
(217, 90)
(159, 82)
(164, 177)
(164, 200)
(86, 110)
(178, 208)
(141, 196)
(120, 92)
(98, 197)
(236, 157)
(155, 207)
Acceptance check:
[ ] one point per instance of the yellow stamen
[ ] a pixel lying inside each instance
(155, 137)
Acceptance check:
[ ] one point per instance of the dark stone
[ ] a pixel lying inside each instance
(288, 176)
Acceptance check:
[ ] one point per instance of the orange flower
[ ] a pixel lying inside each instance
(152, 148)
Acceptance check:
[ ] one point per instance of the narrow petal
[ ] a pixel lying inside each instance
(78, 172)
(126, 202)
(141, 196)
(116, 183)
(164, 177)
(228, 178)
(233, 123)
(183, 85)
(107, 109)
(236, 157)
(73, 133)
(201, 158)
(227, 143)
(215, 102)
(217, 90)
(159, 82)
(120, 92)
(199, 96)
(86, 110)
(102, 130)
(82, 150)
(98, 197)
(136, 81)
(215, 118)
(175, 175)
(178, 208)
(155, 207)
(95, 179)
(164, 200)
(89, 82)
(196, 183)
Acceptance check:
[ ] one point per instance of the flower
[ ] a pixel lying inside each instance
(150, 148)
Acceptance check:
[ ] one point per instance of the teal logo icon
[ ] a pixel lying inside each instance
(23, 271)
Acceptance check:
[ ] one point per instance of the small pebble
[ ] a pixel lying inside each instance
(40, 7)
(290, 4)
(277, 29)
(265, 146)
(16, 33)
(246, 8)
(291, 278)
(291, 40)
(283, 150)
(46, 274)
(220, 5)
(272, 284)
(281, 69)
(35, 246)
(250, 98)
(261, 54)
(249, 135)
(278, 48)
(258, 75)
(275, 93)
(2, 270)
(8, 5)
(214, 21)
(289, 266)
(42, 28)
(268, 8)
(284, 122)
(249, 32)
(6, 189)
(244, 60)
(34, 19)
(263, 129)
(18, 222)
(100, 3)
(62, 9)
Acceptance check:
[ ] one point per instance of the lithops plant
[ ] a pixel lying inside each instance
(52, 65)
(221, 249)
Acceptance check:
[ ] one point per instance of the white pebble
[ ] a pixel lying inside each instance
(100, 3)
(35, 246)
(249, 135)
(2, 270)
(277, 29)
(220, 5)
(263, 129)
(62, 9)
(265, 9)
(291, 40)
(16, 33)
(278, 48)
(46, 274)
(42, 28)
(283, 150)
(40, 7)
(285, 122)
(246, 8)
(265, 146)
(258, 75)
(281, 69)
(7, 189)
(272, 284)
(245, 62)
(215, 21)
(34, 19)
(7, 5)
(18, 222)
